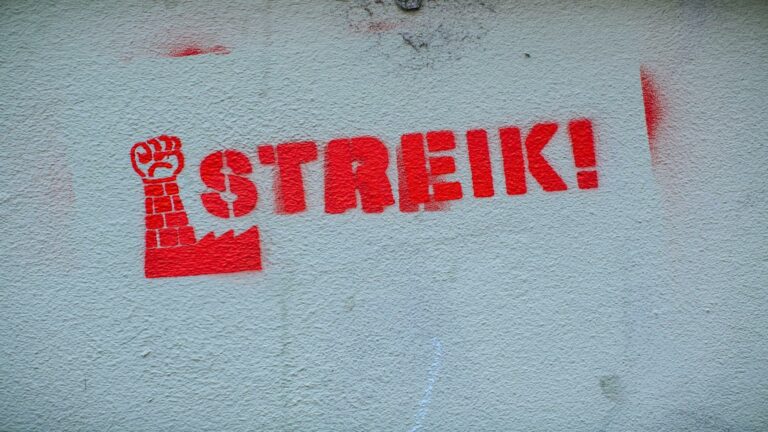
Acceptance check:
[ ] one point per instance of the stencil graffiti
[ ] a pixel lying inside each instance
(355, 174)
(172, 249)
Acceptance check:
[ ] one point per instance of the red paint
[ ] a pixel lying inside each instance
(210, 255)
(161, 153)
(653, 111)
(418, 172)
(540, 169)
(414, 171)
(172, 248)
(355, 176)
(195, 49)
(357, 165)
(289, 182)
(514, 162)
(538, 166)
(480, 163)
(439, 166)
(583, 144)
(405, 203)
(514, 159)
(235, 181)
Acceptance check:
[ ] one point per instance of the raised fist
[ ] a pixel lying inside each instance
(159, 158)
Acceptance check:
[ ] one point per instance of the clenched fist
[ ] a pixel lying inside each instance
(158, 158)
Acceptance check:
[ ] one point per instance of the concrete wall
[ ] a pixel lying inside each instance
(637, 305)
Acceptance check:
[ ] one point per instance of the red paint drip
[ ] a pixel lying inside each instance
(194, 49)
(652, 107)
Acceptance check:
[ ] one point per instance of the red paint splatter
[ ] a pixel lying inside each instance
(195, 49)
(653, 112)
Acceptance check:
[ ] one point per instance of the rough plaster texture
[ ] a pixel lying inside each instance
(639, 306)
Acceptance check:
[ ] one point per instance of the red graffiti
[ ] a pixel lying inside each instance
(480, 163)
(357, 165)
(195, 49)
(355, 177)
(172, 248)
(235, 181)
(421, 173)
(583, 143)
(514, 162)
(514, 159)
(540, 169)
(289, 182)
(356, 170)
(653, 110)
(422, 177)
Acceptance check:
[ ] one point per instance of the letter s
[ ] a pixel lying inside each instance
(234, 180)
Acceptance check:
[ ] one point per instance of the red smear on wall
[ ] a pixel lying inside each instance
(196, 49)
(653, 112)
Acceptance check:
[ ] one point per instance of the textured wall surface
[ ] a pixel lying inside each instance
(639, 305)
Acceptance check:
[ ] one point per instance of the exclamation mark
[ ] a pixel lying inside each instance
(583, 143)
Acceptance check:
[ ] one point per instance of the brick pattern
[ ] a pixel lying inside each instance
(166, 221)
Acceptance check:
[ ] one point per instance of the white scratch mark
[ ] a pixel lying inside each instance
(434, 370)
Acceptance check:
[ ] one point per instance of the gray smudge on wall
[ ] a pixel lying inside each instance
(439, 32)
